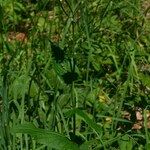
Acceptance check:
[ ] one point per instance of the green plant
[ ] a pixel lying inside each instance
(73, 74)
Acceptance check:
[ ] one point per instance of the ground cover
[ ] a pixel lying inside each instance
(74, 75)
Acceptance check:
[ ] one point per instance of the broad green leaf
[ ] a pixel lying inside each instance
(51, 139)
(41, 22)
(20, 85)
(125, 143)
(86, 118)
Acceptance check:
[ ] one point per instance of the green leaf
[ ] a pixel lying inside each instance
(125, 143)
(89, 144)
(41, 22)
(33, 89)
(86, 118)
(51, 139)
(145, 79)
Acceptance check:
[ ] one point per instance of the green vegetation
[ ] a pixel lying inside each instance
(74, 75)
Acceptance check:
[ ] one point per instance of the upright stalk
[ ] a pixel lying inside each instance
(5, 108)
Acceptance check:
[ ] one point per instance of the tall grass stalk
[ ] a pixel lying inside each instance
(42, 105)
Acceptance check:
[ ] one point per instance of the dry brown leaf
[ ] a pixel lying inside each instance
(21, 37)
(137, 126)
(139, 115)
(55, 38)
(17, 36)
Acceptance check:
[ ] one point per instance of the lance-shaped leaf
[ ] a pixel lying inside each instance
(49, 138)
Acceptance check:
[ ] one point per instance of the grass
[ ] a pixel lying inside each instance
(74, 74)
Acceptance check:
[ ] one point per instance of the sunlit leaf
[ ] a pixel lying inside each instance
(51, 139)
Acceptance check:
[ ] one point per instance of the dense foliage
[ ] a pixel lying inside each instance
(74, 74)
